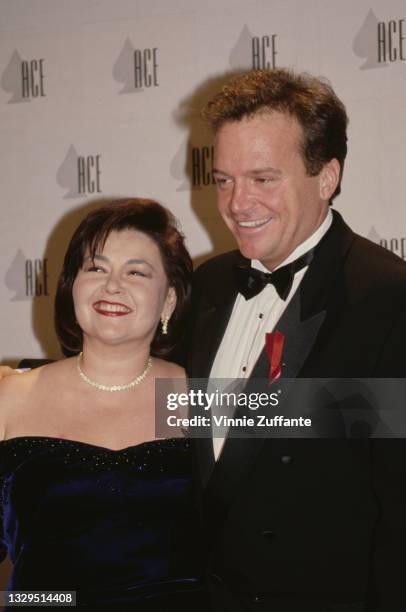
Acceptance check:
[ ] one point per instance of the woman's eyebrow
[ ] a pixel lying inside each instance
(129, 262)
(139, 261)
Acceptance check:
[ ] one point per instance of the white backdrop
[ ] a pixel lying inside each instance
(101, 98)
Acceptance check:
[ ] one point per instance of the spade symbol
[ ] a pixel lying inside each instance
(365, 43)
(11, 79)
(123, 69)
(240, 56)
(180, 167)
(67, 175)
(15, 278)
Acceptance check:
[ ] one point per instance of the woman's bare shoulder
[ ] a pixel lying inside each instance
(14, 391)
(18, 391)
(16, 386)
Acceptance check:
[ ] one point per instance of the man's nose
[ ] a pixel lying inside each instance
(240, 200)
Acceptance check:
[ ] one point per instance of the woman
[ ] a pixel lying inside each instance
(92, 502)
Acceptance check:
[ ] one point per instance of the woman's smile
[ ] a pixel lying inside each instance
(111, 309)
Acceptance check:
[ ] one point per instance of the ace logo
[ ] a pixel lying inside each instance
(24, 78)
(379, 42)
(80, 174)
(136, 69)
(27, 278)
(254, 52)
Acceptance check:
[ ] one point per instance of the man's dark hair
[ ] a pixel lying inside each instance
(144, 216)
(310, 100)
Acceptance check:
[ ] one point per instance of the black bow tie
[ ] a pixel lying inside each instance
(251, 281)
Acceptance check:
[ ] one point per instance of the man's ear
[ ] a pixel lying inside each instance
(329, 178)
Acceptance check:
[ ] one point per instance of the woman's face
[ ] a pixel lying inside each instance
(120, 296)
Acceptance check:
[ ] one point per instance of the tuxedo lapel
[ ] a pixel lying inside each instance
(324, 274)
(304, 316)
(213, 322)
(212, 312)
(299, 339)
(212, 315)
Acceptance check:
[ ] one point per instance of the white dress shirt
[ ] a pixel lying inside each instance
(250, 320)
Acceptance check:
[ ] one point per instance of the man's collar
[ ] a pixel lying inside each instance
(302, 248)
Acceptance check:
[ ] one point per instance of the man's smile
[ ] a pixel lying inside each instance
(254, 223)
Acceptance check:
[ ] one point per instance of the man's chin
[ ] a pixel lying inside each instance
(250, 251)
(259, 255)
(258, 246)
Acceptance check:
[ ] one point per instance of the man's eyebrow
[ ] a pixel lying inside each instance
(264, 170)
(254, 172)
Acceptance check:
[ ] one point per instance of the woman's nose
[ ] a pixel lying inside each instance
(113, 284)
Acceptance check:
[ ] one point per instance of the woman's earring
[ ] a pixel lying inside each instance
(164, 321)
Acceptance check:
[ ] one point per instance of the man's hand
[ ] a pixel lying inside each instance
(7, 371)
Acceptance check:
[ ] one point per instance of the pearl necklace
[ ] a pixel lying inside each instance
(112, 388)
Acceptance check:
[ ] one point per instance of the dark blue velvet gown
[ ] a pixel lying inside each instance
(121, 528)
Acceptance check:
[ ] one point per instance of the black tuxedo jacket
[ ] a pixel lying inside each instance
(297, 525)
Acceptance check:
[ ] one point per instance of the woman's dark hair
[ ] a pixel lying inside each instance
(142, 215)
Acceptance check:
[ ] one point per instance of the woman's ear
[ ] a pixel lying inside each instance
(170, 303)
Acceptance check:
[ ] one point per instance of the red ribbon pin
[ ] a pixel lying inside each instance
(274, 342)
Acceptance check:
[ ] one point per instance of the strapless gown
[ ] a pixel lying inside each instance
(121, 528)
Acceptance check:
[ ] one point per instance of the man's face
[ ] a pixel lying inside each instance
(265, 196)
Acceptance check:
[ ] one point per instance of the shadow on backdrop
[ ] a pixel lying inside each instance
(57, 243)
(197, 165)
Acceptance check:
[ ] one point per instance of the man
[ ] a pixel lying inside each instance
(297, 525)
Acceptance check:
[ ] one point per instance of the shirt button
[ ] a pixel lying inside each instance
(257, 599)
(268, 533)
(286, 459)
(216, 579)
